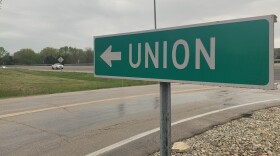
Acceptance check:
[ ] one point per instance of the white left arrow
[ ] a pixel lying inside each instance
(108, 56)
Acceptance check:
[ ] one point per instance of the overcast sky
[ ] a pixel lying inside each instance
(37, 24)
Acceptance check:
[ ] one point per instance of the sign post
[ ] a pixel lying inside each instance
(165, 118)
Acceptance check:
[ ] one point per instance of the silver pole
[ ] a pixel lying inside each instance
(165, 111)
(155, 14)
(165, 119)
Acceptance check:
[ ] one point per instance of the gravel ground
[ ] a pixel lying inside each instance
(256, 135)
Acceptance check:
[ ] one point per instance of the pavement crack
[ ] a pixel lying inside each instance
(116, 126)
(60, 107)
(66, 110)
(62, 137)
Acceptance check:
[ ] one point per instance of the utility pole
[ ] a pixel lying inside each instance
(165, 111)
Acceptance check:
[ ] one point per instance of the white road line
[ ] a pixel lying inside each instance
(141, 135)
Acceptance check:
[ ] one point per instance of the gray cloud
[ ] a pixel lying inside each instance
(40, 23)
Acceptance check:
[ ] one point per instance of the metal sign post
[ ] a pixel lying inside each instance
(165, 119)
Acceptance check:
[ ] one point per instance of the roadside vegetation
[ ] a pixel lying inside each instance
(46, 56)
(49, 55)
(20, 82)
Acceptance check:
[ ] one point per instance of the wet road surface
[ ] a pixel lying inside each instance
(80, 123)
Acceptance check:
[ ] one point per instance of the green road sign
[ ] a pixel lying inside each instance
(230, 53)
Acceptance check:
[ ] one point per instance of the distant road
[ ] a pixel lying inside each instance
(86, 69)
(89, 69)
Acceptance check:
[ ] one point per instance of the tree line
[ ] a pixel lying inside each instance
(47, 55)
(50, 56)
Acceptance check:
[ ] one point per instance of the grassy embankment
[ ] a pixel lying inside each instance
(20, 82)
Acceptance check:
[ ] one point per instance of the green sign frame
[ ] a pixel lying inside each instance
(237, 53)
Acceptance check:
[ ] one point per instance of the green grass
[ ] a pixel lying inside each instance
(20, 82)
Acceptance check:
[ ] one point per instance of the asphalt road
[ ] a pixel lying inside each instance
(67, 68)
(120, 121)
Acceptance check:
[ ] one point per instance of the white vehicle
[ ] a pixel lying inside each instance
(57, 66)
(4, 67)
